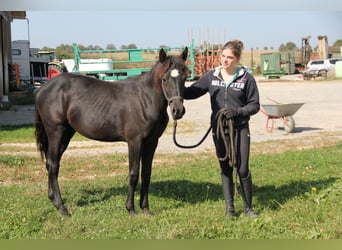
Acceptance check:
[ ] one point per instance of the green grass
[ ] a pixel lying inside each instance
(25, 133)
(16, 133)
(297, 193)
(22, 134)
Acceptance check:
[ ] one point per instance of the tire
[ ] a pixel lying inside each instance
(289, 124)
(55, 69)
(323, 73)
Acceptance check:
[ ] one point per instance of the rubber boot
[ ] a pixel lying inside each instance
(228, 194)
(246, 193)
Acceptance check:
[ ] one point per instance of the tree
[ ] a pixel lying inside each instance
(131, 46)
(97, 47)
(110, 46)
(289, 46)
(45, 48)
(81, 47)
(338, 42)
(64, 51)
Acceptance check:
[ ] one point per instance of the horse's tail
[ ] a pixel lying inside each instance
(41, 137)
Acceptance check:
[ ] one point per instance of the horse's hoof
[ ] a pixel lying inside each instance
(132, 213)
(64, 212)
(147, 212)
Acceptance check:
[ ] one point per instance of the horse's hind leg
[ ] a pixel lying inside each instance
(59, 138)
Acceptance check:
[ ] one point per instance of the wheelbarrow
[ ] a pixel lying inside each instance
(283, 111)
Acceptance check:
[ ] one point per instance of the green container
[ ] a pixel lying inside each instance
(276, 64)
(270, 64)
(287, 62)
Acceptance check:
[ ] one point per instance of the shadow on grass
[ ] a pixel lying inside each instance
(187, 191)
(272, 197)
(183, 191)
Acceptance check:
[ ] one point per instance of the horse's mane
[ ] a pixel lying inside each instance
(145, 74)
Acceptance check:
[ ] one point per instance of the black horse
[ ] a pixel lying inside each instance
(133, 110)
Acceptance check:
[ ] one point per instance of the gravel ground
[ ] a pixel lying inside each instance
(319, 119)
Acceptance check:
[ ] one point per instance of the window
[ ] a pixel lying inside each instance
(317, 62)
(333, 61)
(16, 52)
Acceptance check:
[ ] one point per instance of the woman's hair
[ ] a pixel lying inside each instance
(236, 46)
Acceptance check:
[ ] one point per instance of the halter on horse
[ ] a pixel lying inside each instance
(133, 110)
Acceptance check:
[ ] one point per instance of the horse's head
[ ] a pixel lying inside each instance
(173, 81)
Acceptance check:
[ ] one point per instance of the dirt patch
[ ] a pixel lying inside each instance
(318, 140)
(318, 123)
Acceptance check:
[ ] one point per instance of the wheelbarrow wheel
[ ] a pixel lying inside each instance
(289, 124)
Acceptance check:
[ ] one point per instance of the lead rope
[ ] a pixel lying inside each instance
(229, 145)
(187, 146)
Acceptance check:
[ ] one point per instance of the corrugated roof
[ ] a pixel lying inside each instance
(334, 49)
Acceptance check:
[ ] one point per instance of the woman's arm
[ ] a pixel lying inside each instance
(198, 88)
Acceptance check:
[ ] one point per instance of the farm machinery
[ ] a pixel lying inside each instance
(112, 64)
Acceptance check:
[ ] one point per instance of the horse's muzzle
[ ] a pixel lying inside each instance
(177, 109)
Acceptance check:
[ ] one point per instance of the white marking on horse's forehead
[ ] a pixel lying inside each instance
(174, 73)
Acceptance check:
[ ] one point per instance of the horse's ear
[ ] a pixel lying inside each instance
(162, 55)
(185, 53)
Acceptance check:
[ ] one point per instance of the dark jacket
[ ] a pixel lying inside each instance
(242, 93)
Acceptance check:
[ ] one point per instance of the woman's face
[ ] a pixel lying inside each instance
(228, 59)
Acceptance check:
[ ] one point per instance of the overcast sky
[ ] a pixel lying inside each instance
(149, 24)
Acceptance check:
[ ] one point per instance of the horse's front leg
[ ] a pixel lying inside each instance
(146, 159)
(134, 156)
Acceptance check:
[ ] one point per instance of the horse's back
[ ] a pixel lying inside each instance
(69, 81)
(72, 88)
(97, 109)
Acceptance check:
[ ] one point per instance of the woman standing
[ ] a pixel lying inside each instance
(234, 97)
